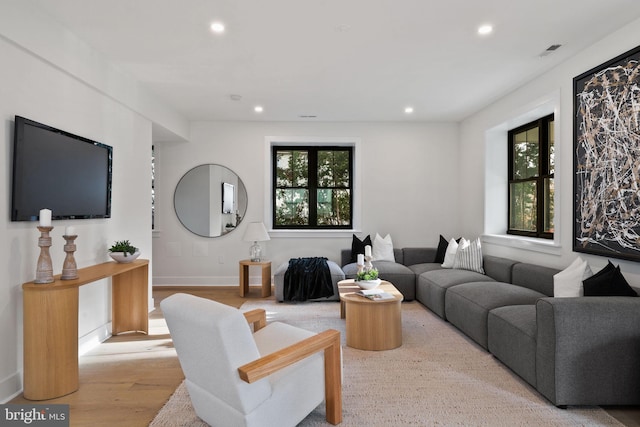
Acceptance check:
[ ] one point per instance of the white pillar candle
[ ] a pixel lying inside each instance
(45, 218)
(367, 250)
(69, 231)
(360, 259)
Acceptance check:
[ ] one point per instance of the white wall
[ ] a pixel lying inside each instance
(409, 174)
(36, 32)
(49, 90)
(473, 143)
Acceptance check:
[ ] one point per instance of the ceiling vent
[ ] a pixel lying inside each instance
(550, 50)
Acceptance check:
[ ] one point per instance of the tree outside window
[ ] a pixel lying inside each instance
(312, 187)
(531, 183)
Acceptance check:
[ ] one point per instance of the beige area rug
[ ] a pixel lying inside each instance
(437, 378)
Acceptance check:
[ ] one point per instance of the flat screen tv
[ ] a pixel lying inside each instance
(56, 170)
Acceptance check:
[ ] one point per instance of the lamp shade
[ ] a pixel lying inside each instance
(256, 232)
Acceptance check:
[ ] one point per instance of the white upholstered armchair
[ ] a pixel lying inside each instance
(274, 376)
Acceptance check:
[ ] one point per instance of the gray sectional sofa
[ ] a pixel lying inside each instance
(574, 351)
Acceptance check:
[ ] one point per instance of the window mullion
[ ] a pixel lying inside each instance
(274, 181)
(312, 170)
(543, 170)
(543, 137)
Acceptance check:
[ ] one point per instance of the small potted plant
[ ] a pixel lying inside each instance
(123, 251)
(368, 279)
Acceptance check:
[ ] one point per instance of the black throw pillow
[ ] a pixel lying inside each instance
(442, 249)
(357, 247)
(608, 282)
(606, 270)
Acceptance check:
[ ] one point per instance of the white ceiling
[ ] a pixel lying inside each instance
(339, 60)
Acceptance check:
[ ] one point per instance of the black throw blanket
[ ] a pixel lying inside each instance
(307, 278)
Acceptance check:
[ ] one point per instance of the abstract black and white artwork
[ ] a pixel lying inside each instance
(607, 158)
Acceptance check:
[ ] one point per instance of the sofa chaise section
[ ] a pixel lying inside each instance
(588, 350)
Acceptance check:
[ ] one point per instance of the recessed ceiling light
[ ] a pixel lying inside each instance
(258, 109)
(235, 97)
(217, 27)
(408, 110)
(485, 29)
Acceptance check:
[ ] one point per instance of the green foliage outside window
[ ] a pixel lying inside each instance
(531, 183)
(312, 187)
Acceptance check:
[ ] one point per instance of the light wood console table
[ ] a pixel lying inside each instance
(51, 323)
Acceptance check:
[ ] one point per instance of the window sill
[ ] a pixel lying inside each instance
(526, 243)
(312, 233)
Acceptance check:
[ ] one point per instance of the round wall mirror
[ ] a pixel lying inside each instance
(210, 200)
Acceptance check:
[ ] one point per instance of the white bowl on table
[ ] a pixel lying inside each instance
(368, 284)
(123, 258)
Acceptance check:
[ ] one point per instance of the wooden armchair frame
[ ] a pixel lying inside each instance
(327, 341)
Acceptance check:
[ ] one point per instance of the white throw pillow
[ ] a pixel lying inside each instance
(469, 256)
(568, 283)
(383, 249)
(450, 254)
(463, 244)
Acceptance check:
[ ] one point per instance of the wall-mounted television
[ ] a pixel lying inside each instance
(57, 170)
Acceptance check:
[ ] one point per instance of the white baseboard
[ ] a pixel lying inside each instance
(10, 387)
(203, 281)
(93, 339)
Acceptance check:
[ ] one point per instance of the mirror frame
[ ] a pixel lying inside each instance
(214, 204)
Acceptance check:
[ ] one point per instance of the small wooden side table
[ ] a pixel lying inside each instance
(244, 276)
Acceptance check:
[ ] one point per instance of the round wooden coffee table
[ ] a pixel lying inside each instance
(371, 324)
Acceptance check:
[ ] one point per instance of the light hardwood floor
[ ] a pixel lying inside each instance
(127, 379)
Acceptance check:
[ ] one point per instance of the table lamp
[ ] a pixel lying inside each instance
(256, 232)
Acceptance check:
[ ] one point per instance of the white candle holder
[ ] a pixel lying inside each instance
(44, 268)
(69, 267)
(367, 263)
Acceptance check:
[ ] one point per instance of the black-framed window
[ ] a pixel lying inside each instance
(312, 187)
(531, 179)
